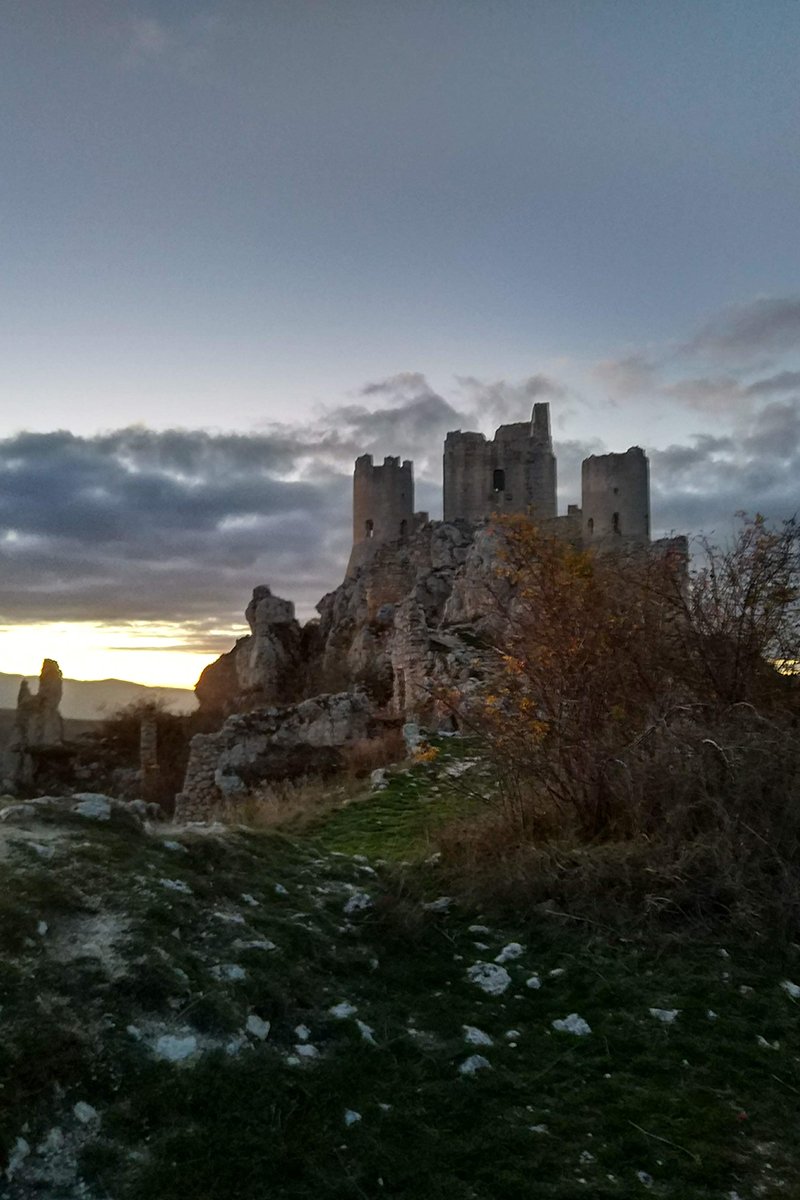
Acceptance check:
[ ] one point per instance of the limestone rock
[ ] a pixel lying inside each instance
(263, 667)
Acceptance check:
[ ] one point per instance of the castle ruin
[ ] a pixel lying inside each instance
(515, 472)
(418, 603)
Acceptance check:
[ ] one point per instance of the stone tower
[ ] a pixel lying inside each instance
(383, 505)
(514, 473)
(616, 497)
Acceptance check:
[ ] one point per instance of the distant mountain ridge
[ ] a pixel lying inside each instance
(94, 699)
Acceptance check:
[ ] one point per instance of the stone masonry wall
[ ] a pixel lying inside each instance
(270, 743)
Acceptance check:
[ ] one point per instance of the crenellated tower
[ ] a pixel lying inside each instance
(383, 505)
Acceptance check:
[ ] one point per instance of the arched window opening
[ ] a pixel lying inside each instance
(499, 481)
(615, 522)
(591, 526)
(369, 528)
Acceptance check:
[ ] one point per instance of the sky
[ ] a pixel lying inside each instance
(245, 241)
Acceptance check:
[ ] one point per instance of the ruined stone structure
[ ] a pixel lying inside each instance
(514, 473)
(38, 726)
(270, 743)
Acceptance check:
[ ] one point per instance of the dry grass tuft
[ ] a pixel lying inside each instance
(363, 757)
(293, 803)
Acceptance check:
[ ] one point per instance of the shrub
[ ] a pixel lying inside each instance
(637, 724)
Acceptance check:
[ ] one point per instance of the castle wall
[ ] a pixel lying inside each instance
(516, 472)
(616, 496)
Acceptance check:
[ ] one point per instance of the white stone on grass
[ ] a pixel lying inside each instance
(475, 1062)
(489, 977)
(358, 902)
(280, 890)
(343, 1010)
(176, 885)
(479, 929)
(255, 944)
(257, 1028)
(665, 1015)
(440, 905)
(534, 983)
(351, 1117)
(302, 1033)
(178, 847)
(306, 1050)
(510, 952)
(17, 1157)
(572, 1024)
(231, 972)
(93, 805)
(176, 1049)
(476, 1037)
(367, 1032)
(85, 1113)
(791, 989)
(251, 900)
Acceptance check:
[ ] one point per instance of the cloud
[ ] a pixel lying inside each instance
(179, 525)
(765, 325)
(174, 526)
(784, 381)
(701, 484)
(148, 37)
(632, 375)
(183, 44)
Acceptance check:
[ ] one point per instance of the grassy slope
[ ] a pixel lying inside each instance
(699, 1105)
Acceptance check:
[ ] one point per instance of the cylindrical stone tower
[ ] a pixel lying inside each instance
(616, 497)
(383, 504)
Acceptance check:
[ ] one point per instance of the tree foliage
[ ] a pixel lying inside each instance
(635, 696)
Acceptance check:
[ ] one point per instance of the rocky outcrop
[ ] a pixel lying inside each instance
(261, 669)
(270, 743)
(38, 727)
(391, 637)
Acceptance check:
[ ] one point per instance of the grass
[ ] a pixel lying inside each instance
(699, 1107)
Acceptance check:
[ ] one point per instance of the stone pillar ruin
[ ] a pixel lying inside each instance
(38, 724)
(148, 757)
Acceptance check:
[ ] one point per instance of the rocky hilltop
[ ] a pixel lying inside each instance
(410, 619)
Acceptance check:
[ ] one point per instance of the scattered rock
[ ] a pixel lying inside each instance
(572, 1024)
(489, 977)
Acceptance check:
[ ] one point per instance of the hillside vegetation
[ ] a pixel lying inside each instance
(309, 1013)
